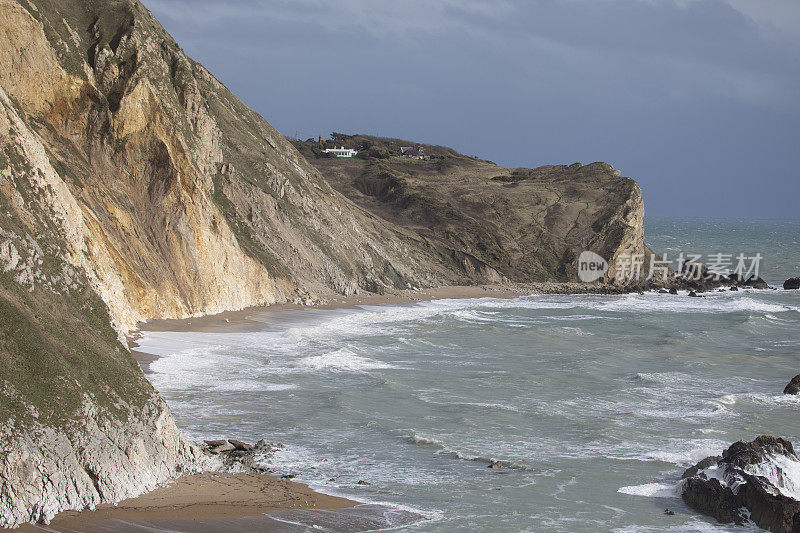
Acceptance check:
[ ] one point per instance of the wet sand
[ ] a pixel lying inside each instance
(229, 502)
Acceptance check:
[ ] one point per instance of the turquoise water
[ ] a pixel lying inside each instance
(595, 404)
(778, 241)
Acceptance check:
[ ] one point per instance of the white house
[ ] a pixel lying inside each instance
(341, 152)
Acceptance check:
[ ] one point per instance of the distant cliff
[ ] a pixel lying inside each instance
(525, 224)
(134, 185)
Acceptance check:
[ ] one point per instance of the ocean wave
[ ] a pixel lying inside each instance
(685, 452)
(770, 399)
(665, 377)
(652, 490)
(488, 460)
(711, 303)
(578, 332)
(247, 385)
(435, 398)
(695, 525)
(427, 441)
(446, 450)
(342, 360)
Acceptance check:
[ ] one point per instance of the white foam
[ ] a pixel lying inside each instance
(652, 490)
(419, 439)
(782, 471)
(685, 452)
(578, 332)
(342, 360)
(666, 377)
(773, 399)
(710, 303)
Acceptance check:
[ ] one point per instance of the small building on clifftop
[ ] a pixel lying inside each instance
(341, 152)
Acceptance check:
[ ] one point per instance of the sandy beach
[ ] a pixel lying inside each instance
(213, 501)
(240, 321)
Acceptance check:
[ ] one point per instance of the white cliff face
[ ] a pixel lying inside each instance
(47, 469)
(198, 248)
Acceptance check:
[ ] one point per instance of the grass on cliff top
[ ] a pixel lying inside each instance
(54, 349)
(55, 344)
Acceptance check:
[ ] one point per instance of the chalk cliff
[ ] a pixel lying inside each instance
(134, 185)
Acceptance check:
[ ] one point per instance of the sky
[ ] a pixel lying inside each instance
(698, 100)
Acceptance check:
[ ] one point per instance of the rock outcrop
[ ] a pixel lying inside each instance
(792, 283)
(756, 481)
(793, 387)
(756, 283)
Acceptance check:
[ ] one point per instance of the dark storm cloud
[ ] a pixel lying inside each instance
(695, 99)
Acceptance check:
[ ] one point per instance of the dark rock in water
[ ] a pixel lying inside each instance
(496, 465)
(215, 443)
(708, 462)
(792, 283)
(756, 283)
(261, 445)
(240, 446)
(693, 294)
(362, 482)
(673, 290)
(735, 278)
(734, 288)
(663, 291)
(746, 483)
(794, 386)
(669, 513)
(709, 497)
(288, 476)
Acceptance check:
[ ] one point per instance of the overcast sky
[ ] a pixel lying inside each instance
(698, 100)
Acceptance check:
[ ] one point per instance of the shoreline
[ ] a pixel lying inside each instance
(217, 501)
(239, 320)
(201, 497)
(211, 496)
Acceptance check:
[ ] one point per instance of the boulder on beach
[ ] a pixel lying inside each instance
(673, 290)
(792, 283)
(693, 294)
(751, 481)
(793, 387)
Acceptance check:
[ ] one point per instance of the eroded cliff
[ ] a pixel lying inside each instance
(526, 224)
(134, 185)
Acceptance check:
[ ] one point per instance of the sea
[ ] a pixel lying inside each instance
(594, 404)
